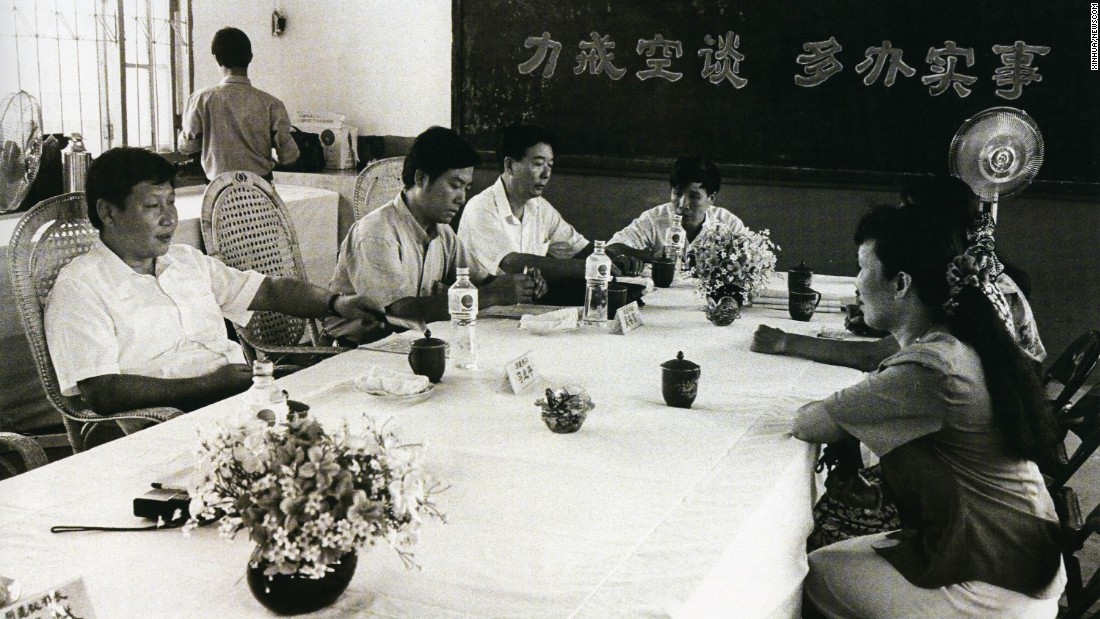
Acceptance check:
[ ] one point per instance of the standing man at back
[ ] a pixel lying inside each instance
(233, 124)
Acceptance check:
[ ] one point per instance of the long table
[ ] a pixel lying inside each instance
(23, 405)
(646, 511)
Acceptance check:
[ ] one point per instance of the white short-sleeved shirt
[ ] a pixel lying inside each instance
(647, 232)
(489, 231)
(387, 256)
(104, 318)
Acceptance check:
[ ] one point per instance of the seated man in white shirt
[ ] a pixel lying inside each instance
(695, 182)
(402, 256)
(510, 227)
(137, 321)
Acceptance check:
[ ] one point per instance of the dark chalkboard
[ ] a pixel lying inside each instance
(766, 123)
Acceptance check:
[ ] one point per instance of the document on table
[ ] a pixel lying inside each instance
(399, 343)
(517, 310)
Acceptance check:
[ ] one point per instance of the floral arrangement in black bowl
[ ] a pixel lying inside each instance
(565, 409)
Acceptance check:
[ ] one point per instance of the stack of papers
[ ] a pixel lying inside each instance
(836, 292)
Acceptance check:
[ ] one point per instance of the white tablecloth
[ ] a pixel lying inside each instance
(313, 213)
(646, 511)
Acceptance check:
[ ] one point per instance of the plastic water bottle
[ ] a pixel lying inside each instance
(597, 273)
(462, 305)
(264, 394)
(675, 237)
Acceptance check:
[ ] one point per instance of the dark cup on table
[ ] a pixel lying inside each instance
(662, 272)
(616, 297)
(802, 303)
(800, 278)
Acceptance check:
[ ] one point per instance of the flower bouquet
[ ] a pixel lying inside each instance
(309, 499)
(727, 263)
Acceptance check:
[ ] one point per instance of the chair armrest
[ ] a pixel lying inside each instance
(28, 448)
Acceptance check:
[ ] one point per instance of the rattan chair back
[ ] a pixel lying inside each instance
(246, 226)
(376, 185)
(48, 237)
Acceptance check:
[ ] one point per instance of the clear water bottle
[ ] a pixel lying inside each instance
(462, 305)
(675, 238)
(264, 394)
(597, 273)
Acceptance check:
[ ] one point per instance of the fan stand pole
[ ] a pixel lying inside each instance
(991, 208)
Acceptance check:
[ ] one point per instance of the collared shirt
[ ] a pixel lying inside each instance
(104, 318)
(388, 256)
(489, 231)
(236, 126)
(647, 232)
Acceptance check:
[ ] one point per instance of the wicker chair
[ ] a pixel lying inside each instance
(35, 259)
(245, 225)
(376, 185)
(30, 453)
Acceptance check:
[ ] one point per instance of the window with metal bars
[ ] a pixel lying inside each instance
(116, 71)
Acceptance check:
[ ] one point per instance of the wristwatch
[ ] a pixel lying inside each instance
(332, 305)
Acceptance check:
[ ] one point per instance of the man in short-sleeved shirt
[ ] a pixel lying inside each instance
(402, 256)
(694, 182)
(510, 227)
(234, 124)
(104, 318)
(138, 322)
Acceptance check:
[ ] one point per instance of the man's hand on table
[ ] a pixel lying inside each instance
(509, 289)
(769, 340)
(628, 265)
(232, 377)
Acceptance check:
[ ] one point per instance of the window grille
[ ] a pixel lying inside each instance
(115, 71)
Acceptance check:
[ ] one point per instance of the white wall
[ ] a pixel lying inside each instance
(385, 64)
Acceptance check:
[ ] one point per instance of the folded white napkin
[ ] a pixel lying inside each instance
(565, 319)
(393, 382)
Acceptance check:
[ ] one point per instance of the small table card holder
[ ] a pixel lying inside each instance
(521, 372)
(68, 600)
(627, 319)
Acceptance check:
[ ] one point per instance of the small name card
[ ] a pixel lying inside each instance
(628, 318)
(521, 372)
(68, 600)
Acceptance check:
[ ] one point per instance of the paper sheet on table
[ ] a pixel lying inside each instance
(393, 382)
(517, 311)
(640, 280)
(783, 304)
(400, 343)
(833, 333)
(835, 289)
(565, 319)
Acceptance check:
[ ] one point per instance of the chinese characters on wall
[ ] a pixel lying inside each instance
(950, 68)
